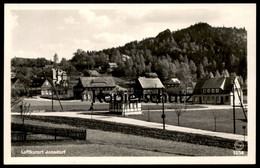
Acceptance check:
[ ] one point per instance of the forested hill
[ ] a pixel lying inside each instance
(194, 52)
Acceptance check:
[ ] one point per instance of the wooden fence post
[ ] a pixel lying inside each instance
(55, 134)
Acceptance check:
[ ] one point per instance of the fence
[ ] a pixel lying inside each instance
(18, 136)
(19, 130)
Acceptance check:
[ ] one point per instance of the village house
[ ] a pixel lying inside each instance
(18, 86)
(92, 73)
(59, 76)
(172, 82)
(151, 75)
(217, 91)
(63, 91)
(85, 86)
(111, 66)
(46, 88)
(35, 86)
(125, 57)
(146, 85)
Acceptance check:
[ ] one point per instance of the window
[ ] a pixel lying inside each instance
(204, 98)
(208, 90)
(217, 90)
(195, 99)
(208, 98)
(204, 90)
(212, 90)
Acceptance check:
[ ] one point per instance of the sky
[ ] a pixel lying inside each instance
(35, 30)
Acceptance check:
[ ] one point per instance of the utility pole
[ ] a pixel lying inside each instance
(52, 98)
(163, 115)
(234, 110)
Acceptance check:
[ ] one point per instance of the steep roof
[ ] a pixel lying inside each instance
(93, 73)
(97, 82)
(224, 83)
(172, 81)
(118, 90)
(150, 83)
(214, 83)
(151, 75)
(112, 64)
(13, 80)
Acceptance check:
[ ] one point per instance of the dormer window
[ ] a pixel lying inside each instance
(208, 90)
(212, 90)
(217, 90)
(204, 90)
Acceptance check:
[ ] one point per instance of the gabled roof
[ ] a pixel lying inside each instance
(151, 75)
(13, 80)
(97, 82)
(172, 81)
(150, 83)
(118, 90)
(93, 73)
(214, 83)
(112, 64)
(224, 83)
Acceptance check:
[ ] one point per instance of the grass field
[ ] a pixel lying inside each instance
(102, 143)
(78, 105)
(46, 105)
(199, 119)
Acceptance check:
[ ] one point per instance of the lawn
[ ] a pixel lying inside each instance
(77, 105)
(67, 105)
(199, 119)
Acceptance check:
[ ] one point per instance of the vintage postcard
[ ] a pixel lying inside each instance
(130, 83)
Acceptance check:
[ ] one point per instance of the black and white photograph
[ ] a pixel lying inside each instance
(130, 83)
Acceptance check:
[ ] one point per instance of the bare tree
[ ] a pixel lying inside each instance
(215, 116)
(179, 110)
(25, 110)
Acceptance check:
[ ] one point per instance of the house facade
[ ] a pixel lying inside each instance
(86, 85)
(46, 88)
(218, 91)
(59, 76)
(64, 92)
